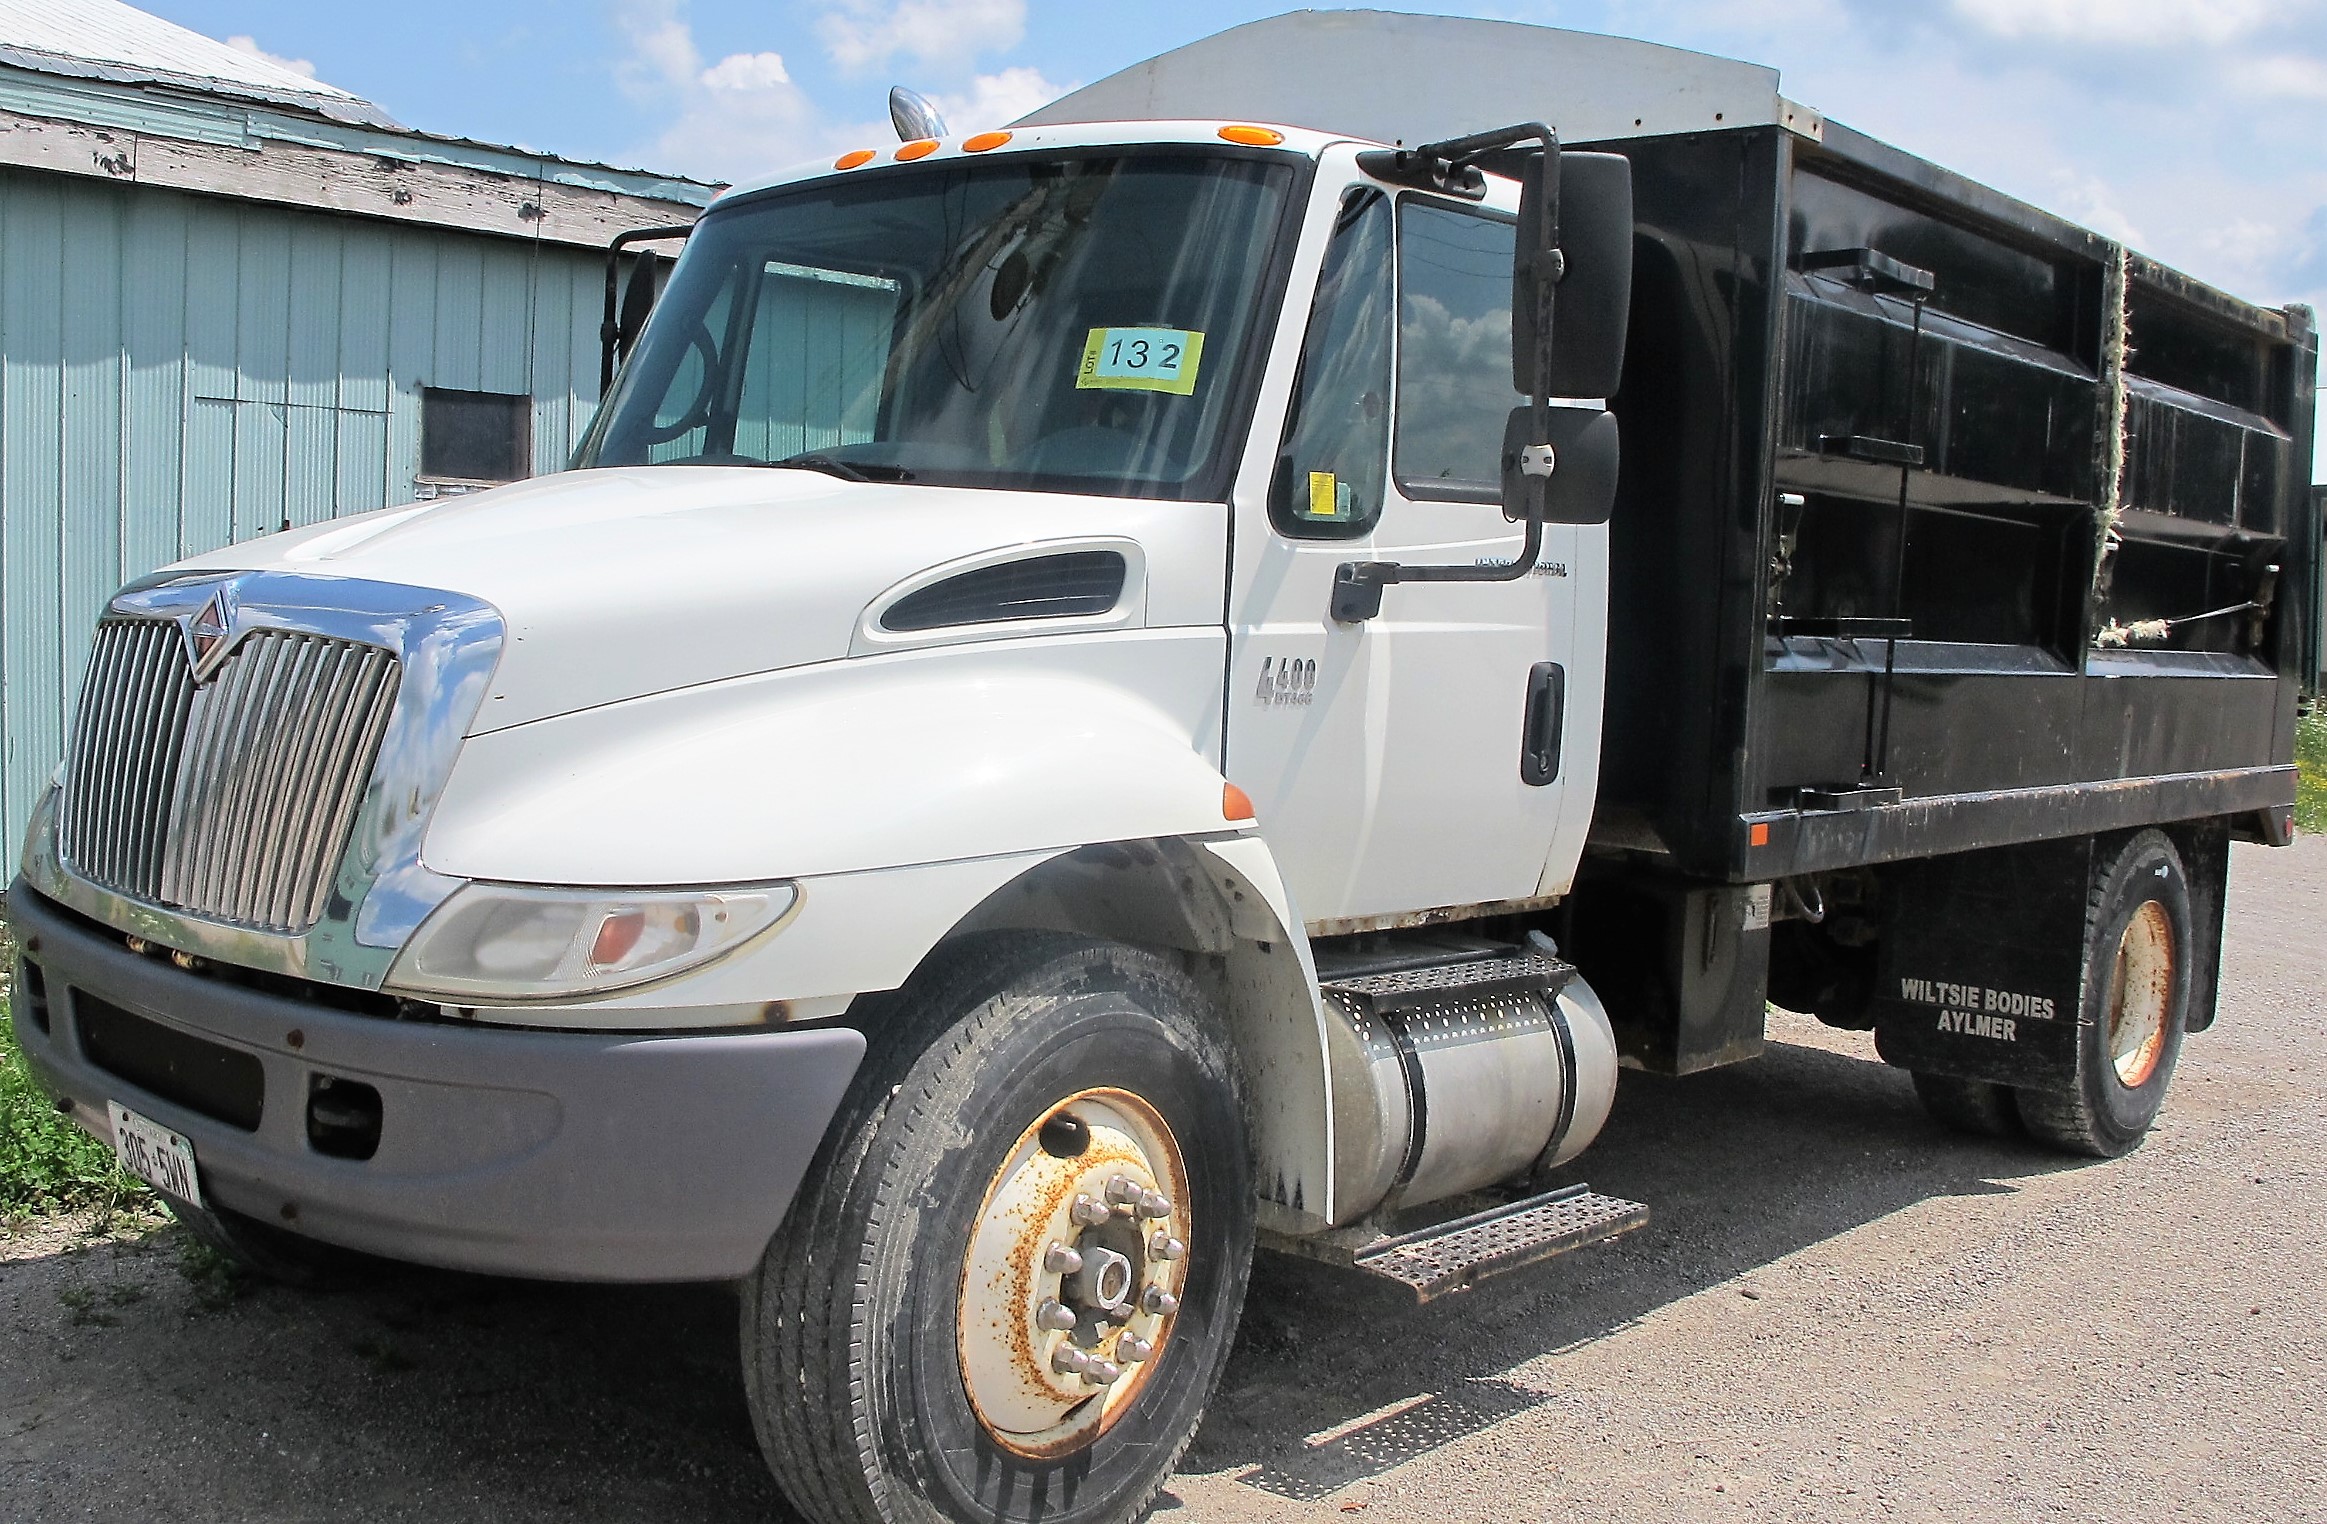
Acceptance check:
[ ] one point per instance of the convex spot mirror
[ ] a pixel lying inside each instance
(1579, 204)
(1582, 486)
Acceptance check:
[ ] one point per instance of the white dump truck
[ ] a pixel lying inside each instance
(1200, 670)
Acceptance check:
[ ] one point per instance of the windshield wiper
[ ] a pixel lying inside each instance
(847, 471)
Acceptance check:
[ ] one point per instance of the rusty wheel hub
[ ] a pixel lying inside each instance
(1074, 1273)
(2141, 990)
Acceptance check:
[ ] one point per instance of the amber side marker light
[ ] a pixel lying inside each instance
(1235, 804)
(919, 148)
(1761, 833)
(1252, 137)
(853, 158)
(984, 141)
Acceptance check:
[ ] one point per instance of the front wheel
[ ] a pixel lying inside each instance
(1008, 1285)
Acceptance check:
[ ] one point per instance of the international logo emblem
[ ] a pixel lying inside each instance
(210, 632)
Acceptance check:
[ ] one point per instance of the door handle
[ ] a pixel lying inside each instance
(1546, 722)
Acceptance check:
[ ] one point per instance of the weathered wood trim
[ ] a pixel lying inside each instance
(331, 180)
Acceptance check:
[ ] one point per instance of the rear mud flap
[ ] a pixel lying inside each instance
(1982, 962)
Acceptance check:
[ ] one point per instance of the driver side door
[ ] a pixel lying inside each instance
(1385, 758)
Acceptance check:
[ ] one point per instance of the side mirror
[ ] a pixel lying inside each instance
(626, 308)
(1575, 238)
(638, 295)
(1585, 454)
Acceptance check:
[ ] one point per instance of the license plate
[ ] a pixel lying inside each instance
(161, 1158)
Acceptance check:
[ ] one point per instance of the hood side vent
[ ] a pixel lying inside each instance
(1068, 585)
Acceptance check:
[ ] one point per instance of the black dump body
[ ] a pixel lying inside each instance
(1786, 409)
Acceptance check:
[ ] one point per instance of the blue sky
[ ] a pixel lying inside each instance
(2196, 129)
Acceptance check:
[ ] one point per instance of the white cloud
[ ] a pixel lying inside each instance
(249, 47)
(865, 34)
(995, 99)
(661, 47)
(2283, 76)
(741, 117)
(746, 71)
(2093, 202)
(2153, 23)
(745, 115)
(738, 116)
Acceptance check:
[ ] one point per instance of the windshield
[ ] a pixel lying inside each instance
(1069, 324)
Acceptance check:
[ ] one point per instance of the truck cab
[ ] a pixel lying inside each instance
(948, 581)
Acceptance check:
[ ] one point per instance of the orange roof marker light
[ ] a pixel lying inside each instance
(919, 148)
(853, 158)
(1252, 137)
(1235, 804)
(984, 141)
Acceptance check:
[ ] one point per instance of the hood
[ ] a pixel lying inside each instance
(618, 583)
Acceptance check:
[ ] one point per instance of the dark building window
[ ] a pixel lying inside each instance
(475, 436)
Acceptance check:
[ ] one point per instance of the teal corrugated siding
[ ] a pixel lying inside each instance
(177, 373)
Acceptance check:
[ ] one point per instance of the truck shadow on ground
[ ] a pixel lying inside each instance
(560, 1401)
(1337, 1377)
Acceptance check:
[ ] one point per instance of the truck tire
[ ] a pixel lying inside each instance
(1978, 1107)
(1026, 1093)
(2133, 1007)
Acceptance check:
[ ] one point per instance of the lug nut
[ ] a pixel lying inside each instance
(1070, 1361)
(1124, 1191)
(1088, 1213)
(1158, 1301)
(1101, 1372)
(1133, 1348)
(1154, 1204)
(1055, 1316)
(1058, 1259)
(1164, 1246)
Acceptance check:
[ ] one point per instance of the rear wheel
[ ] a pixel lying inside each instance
(2134, 1007)
(1010, 1281)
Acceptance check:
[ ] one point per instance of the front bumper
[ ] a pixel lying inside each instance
(571, 1156)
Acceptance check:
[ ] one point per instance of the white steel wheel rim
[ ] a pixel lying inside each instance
(2141, 987)
(1038, 1389)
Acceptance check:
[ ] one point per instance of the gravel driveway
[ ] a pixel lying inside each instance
(1839, 1312)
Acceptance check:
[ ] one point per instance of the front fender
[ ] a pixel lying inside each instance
(874, 762)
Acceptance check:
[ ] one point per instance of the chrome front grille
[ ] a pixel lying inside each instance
(230, 800)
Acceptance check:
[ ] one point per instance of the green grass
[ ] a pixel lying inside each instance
(46, 1163)
(2311, 759)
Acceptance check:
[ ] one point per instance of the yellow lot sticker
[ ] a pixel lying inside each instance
(1141, 360)
(1328, 496)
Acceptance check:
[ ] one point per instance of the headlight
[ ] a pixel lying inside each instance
(502, 942)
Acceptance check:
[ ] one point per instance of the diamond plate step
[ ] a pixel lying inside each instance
(1451, 1256)
(1445, 983)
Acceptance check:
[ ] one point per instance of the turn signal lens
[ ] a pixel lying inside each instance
(1252, 137)
(853, 158)
(919, 148)
(1235, 804)
(506, 942)
(984, 141)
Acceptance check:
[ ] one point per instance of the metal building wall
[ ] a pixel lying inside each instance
(181, 372)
